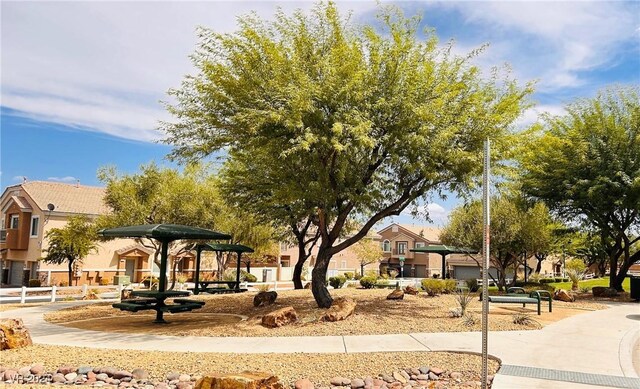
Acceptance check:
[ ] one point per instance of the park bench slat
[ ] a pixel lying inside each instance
(131, 307)
(187, 301)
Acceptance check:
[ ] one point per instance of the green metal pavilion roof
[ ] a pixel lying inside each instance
(443, 249)
(236, 248)
(163, 232)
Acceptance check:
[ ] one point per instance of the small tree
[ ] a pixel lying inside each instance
(368, 251)
(71, 243)
(575, 270)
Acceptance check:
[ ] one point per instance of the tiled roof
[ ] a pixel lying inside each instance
(21, 202)
(429, 232)
(68, 198)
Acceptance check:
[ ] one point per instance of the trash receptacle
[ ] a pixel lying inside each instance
(634, 282)
(121, 280)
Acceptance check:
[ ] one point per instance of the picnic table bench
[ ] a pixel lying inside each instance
(517, 295)
(155, 300)
(218, 287)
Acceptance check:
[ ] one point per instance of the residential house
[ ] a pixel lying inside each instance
(31, 209)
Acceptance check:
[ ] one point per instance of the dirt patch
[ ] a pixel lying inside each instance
(374, 314)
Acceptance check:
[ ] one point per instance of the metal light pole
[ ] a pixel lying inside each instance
(485, 265)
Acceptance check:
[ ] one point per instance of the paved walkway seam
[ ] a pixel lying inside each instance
(570, 376)
(417, 340)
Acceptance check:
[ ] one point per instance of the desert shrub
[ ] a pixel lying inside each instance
(432, 287)
(449, 286)
(263, 287)
(230, 275)
(181, 278)
(105, 281)
(547, 280)
(357, 276)
(455, 312)
(35, 283)
(472, 284)
(92, 294)
(470, 320)
(68, 298)
(463, 298)
(63, 283)
(523, 319)
(393, 274)
(372, 273)
(535, 277)
(250, 277)
(337, 281)
(531, 286)
(368, 282)
(558, 279)
(348, 275)
(351, 285)
(435, 275)
(384, 276)
(147, 281)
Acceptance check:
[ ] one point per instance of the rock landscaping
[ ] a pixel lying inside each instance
(341, 309)
(419, 378)
(280, 317)
(563, 295)
(168, 370)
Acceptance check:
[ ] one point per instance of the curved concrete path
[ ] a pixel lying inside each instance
(593, 349)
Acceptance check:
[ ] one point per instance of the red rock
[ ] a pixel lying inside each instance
(244, 380)
(280, 317)
(13, 334)
(303, 384)
(396, 295)
(341, 308)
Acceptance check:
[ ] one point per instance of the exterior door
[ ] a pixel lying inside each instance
(17, 273)
(130, 269)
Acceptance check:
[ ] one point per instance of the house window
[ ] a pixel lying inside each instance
(386, 246)
(14, 222)
(419, 244)
(344, 264)
(35, 223)
(402, 247)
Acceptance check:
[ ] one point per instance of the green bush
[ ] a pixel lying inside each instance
(230, 275)
(357, 276)
(337, 281)
(558, 279)
(531, 286)
(472, 284)
(35, 283)
(348, 275)
(565, 279)
(448, 286)
(433, 287)
(104, 281)
(368, 282)
(547, 280)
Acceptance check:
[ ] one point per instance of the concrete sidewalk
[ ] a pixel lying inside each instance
(594, 349)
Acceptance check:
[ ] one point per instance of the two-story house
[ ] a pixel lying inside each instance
(30, 209)
(398, 239)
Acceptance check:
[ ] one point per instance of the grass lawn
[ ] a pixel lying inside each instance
(590, 283)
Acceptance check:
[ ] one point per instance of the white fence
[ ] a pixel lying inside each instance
(23, 294)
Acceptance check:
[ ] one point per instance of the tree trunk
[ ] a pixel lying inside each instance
(319, 275)
(539, 265)
(297, 269)
(621, 275)
(70, 263)
(613, 268)
(602, 268)
(361, 269)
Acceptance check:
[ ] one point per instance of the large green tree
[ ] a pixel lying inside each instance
(71, 243)
(356, 122)
(158, 195)
(585, 166)
(514, 231)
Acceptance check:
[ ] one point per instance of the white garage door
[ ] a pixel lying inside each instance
(466, 272)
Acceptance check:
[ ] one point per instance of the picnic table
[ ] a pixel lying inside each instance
(164, 234)
(217, 287)
(517, 295)
(155, 300)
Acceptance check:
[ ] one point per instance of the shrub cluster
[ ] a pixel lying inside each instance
(368, 282)
(472, 284)
(35, 283)
(433, 287)
(348, 275)
(106, 281)
(337, 281)
(448, 286)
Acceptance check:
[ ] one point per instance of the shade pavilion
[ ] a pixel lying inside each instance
(443, 250)
(219, 247)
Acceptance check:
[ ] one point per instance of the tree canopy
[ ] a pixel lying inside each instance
(515, 230)
(585, 166)
(349, 121)
(71, 243)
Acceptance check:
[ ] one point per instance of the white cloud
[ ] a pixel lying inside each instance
(532, 115)
(104, 66)
(19, 178)
(62, 179)
(558, 39)
(438, 214)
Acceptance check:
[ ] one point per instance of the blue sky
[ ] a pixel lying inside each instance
(82, 81)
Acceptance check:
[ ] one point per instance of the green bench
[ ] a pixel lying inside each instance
(516, 295)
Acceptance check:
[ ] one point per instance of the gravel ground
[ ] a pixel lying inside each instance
(319, 368)
(8, 307)
(374, 315)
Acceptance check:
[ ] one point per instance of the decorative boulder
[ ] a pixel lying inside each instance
(563, 295)
(280, 317)
(244, 380)
(13, 334)
(341, 308)
(411, 290)
(396, 295)
(264, 298)
(601, 291)
(307, 285)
